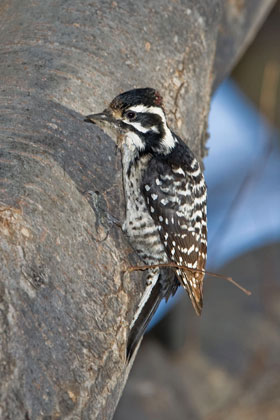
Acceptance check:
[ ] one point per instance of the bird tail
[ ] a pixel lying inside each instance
(193, 284)
(161, 284)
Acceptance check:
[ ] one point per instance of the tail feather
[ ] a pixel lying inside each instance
(139, 326)
(163, 285)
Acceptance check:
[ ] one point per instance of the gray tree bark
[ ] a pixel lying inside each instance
(65, 306)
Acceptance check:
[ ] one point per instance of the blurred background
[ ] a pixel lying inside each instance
(226, 365)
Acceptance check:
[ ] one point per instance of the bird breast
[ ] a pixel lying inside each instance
(139, 226)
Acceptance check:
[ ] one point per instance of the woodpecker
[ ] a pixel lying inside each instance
(165, 196)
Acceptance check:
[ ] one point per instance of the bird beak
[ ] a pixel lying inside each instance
(99, 119)
(109, 124)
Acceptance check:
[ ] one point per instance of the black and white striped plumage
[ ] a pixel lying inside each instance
(165, 196)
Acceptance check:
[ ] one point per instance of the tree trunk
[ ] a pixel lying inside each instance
(65, 305)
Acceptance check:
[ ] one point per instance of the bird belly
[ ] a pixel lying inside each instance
(142, 232)
(144, 236)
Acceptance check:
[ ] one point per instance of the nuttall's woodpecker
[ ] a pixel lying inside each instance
(165, 195)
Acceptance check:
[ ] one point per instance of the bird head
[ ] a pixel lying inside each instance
(136, 119)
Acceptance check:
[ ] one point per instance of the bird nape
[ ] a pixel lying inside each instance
(165, 196)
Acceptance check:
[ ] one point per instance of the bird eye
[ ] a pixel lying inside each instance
(131, 115)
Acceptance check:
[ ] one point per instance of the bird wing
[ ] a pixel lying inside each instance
(176, 200)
